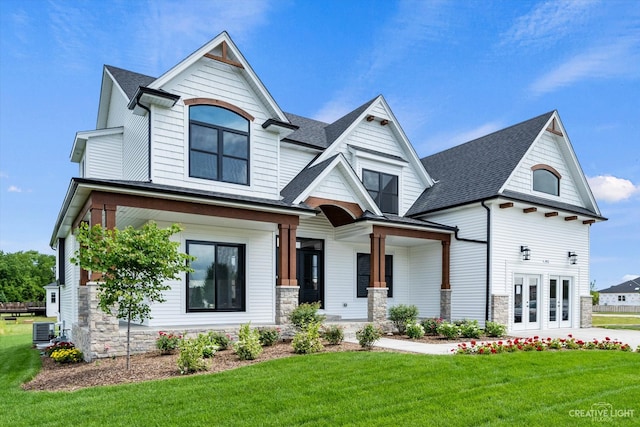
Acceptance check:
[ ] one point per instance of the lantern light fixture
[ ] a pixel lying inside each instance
(526, 253)
(573, 257)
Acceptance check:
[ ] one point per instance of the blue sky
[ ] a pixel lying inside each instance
(450, 70)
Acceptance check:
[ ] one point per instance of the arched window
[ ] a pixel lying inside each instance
(546, 180)
(218, 144)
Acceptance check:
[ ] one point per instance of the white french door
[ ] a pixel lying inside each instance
(526, 301)
(559, 308)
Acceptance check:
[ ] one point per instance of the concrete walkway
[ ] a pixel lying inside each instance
(586, 334)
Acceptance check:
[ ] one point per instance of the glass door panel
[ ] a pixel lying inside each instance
(566, 302)
(533, 300)
(553, 300)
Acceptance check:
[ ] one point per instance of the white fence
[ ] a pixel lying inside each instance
(617, 308)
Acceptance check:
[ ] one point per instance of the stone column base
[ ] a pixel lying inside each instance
(500, 309)
(286, 302)
(586, 311)
(445, 304)
(377, 304)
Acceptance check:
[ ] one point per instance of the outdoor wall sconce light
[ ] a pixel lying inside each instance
(526, 253)
(573, 258)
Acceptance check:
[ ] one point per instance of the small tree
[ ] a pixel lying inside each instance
(134, 263)
(595, 295)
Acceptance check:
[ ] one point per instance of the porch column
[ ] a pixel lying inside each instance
(377, 290)
(287, 288)
(445, 287)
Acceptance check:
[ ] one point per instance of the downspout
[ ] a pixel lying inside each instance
(483, 242)
(148, 137)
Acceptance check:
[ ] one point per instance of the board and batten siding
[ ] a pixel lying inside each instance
(546, 151)
(292, 161)
(550, 240)
(259, 273)
(212, 79)
(103, 157)
(135, 163)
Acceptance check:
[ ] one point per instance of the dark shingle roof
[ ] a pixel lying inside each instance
(128, 80)
(337, 128)
(630, 286)
(302, 181)
(310, 132)
(477, 169)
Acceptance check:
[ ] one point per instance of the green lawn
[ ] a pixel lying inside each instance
(360, 388)
(620, 321)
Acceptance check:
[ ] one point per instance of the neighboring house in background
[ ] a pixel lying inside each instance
(627, 293)
(281, 209)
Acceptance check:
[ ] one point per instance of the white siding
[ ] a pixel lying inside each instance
(260, 279)
(425, 278)
(550, 240)
(117, 109)
(468, 261)
(135, 148)
(546, 151)
(69, 292)
(103, 157)
(212, 79)
(333, 187)
(292, 161)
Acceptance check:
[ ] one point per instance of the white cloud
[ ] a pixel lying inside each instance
(176, 29)
(4, 175)
(547, 22)
(628, 277)
(612, 189)
(619, 58)
(14, 189)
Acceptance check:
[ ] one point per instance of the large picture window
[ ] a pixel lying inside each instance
(217, 282)
(364, 274)
(383, 189)
(546, 180)
(218, 144)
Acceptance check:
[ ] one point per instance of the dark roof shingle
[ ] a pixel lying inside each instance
(128, 80)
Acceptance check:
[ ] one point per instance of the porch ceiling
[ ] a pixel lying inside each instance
(360, 233)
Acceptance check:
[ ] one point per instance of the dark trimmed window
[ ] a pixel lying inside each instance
(217, 282)
(383, 189)
(218, 144)
(546, 181)
(364, 274)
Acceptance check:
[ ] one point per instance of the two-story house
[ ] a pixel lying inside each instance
(281, 209)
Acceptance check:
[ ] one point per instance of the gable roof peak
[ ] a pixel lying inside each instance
(337, 128)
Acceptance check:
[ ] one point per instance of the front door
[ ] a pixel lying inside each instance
(525, 301)
(310, 274)
(559, 302)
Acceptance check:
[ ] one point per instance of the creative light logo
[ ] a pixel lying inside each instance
(602, 411)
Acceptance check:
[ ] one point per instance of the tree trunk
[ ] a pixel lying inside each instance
(128, 338)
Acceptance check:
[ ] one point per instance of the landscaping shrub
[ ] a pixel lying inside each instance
(248, 346)
(470, 329)
(305, 314)
(190, 358)
(414, 330)
(223, 341)
(431, 324)
(449, 330)
(269, 336)
(402, 314)
(207, 345)
(368, 335)
(494, 329)
(537, 344)
(307, 340)
(334, 334)
(167, 342)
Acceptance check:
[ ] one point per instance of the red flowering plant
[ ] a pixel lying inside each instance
(167, 342)
(537, 344)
